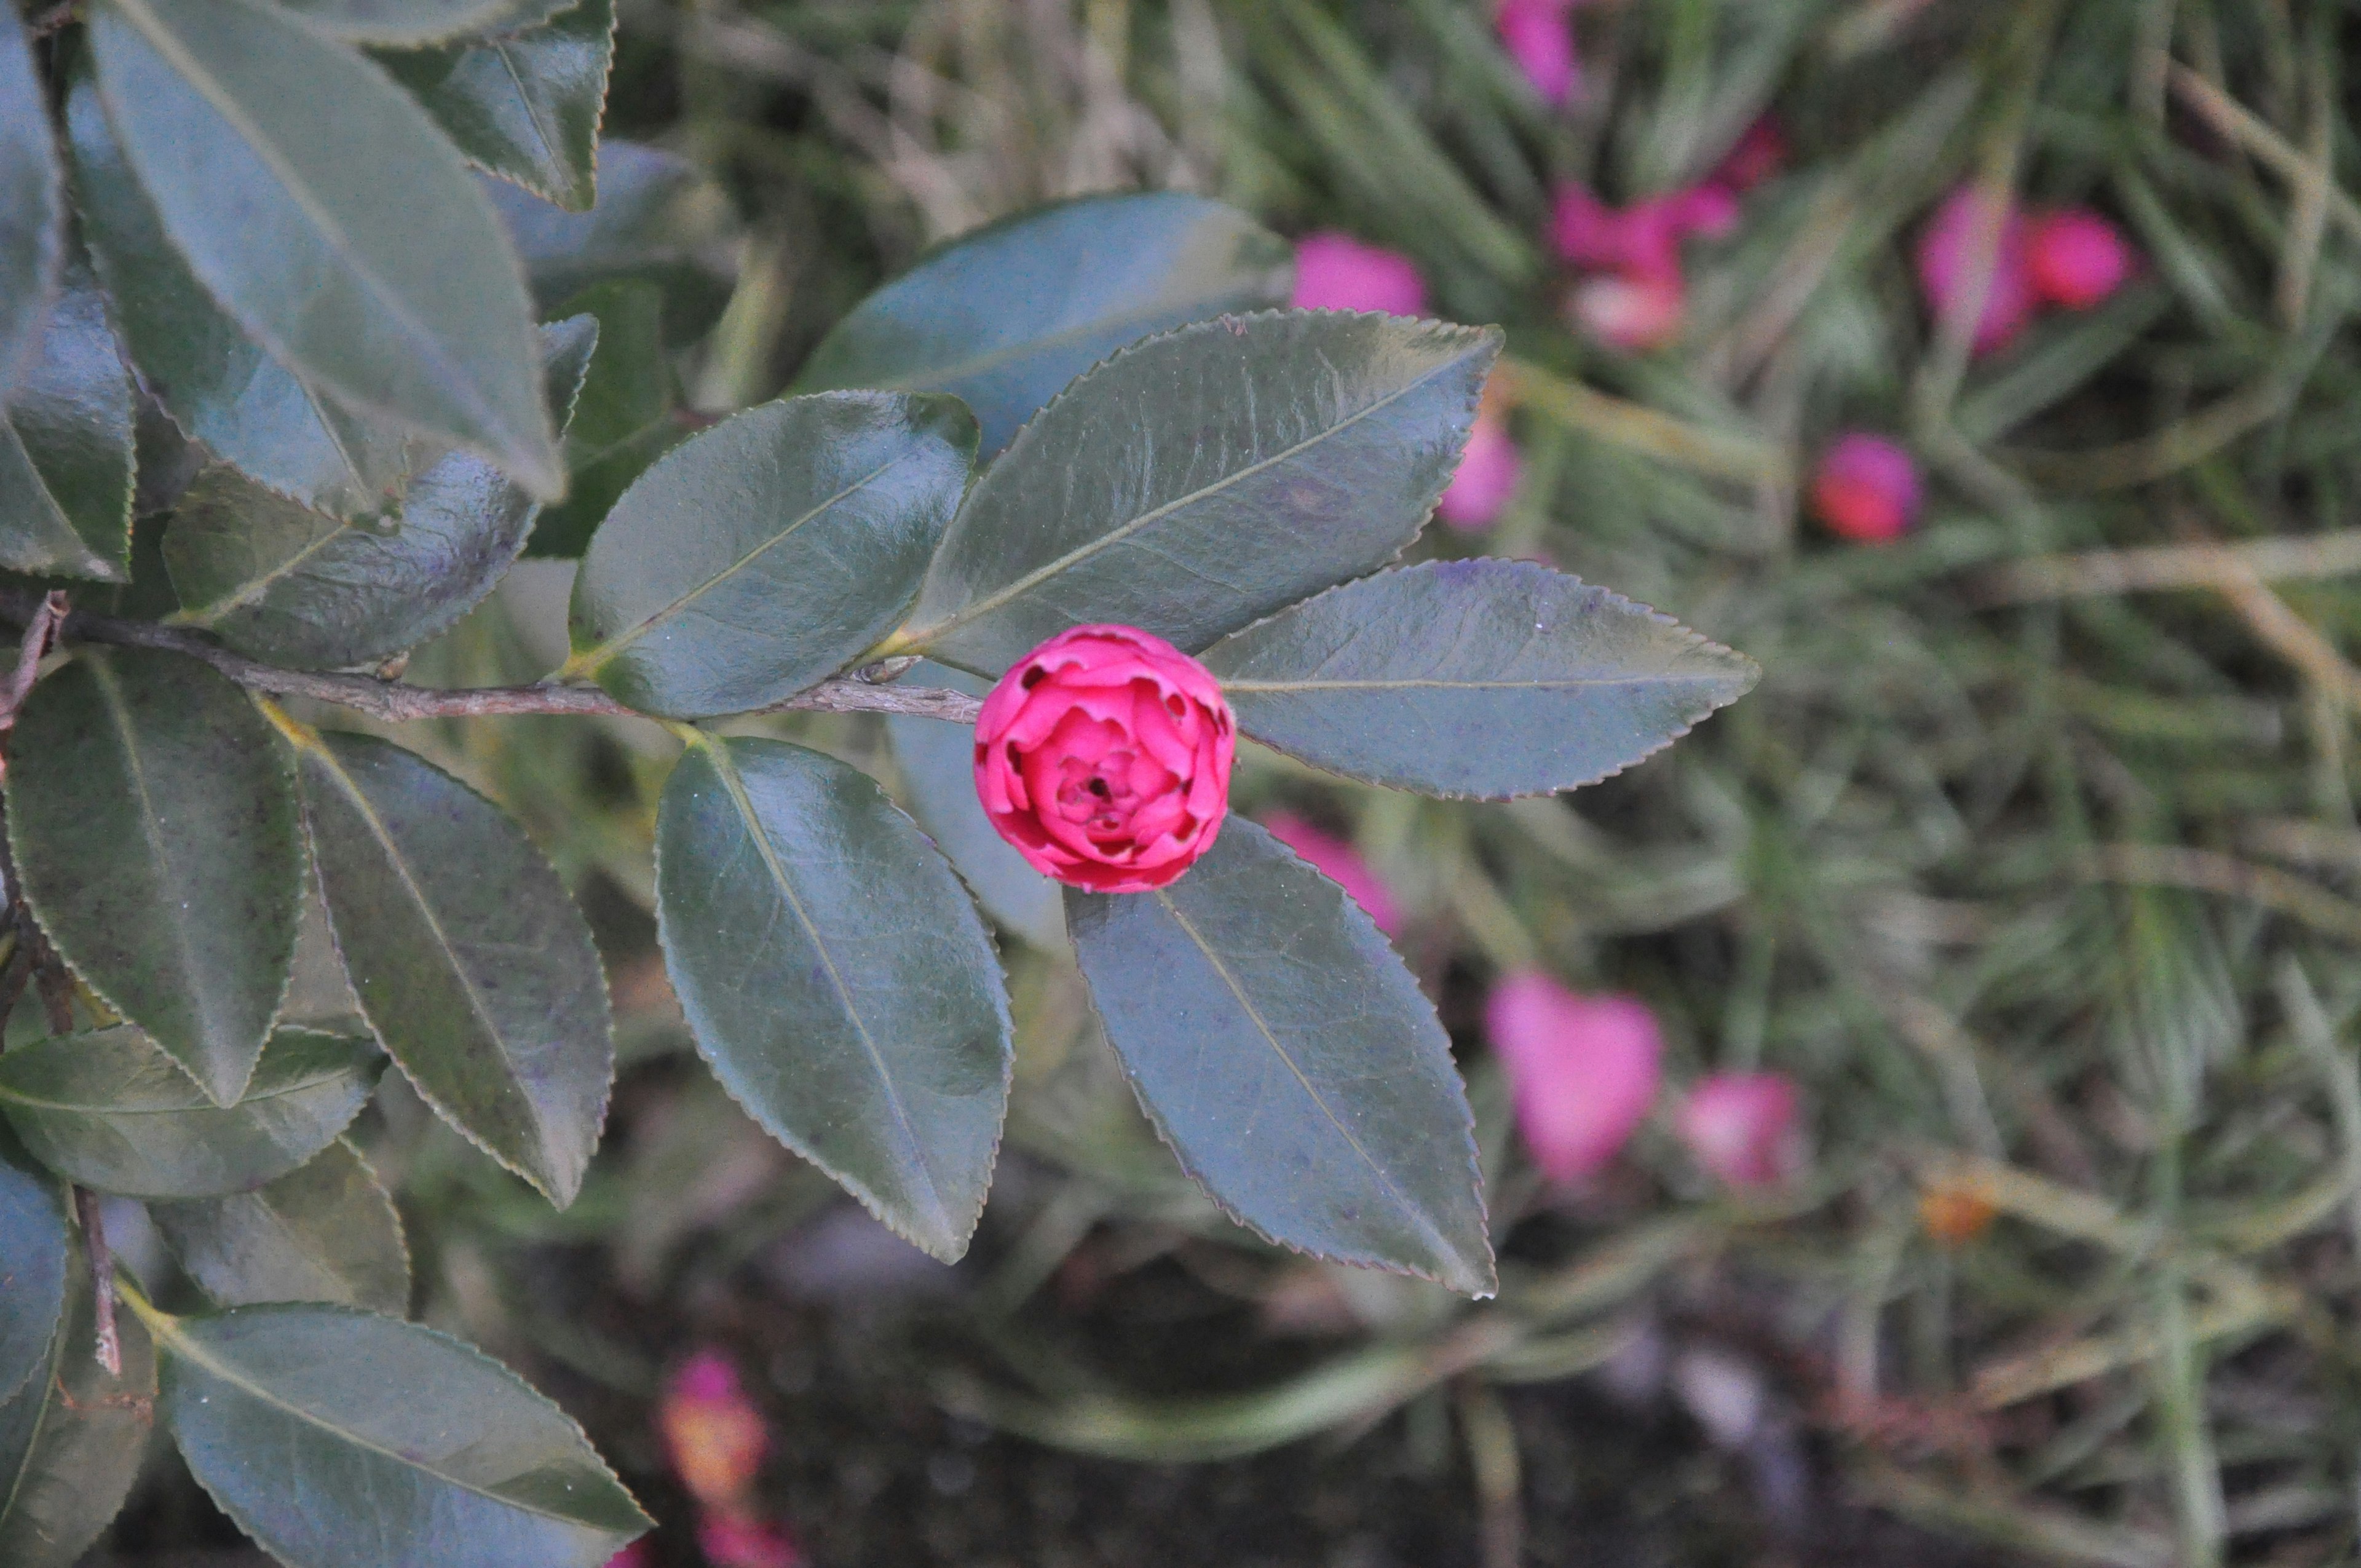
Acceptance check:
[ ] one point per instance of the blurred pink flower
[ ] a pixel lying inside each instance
(1944, 253)
(1746, 1128)
(2075, 257)
(732, 1539)
(639, 1554)
(1627, 310)
(1583, 1069)
(1538, 37)
(1336, 273)
(1865, 488)
(712, 1431)
(1642, 238)
(1756, 156)
(1487, 474)
(1341, 863)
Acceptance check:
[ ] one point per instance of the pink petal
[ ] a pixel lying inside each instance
(639, 1554)
(2076, 258)
(1341, 863)
(1760, 154)
(1487, 474)
(1944, 253)
(1583, 1069)
(1336, 273)
(1746, 1128)
(1628, 311)
(1865, 488)
(712, 1432)
(1537, 36)
(732, 1539)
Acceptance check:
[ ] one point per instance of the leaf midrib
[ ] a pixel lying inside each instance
(926, 378)
(1426, 684)
(322, 1079)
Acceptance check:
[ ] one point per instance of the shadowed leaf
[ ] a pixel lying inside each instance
(66, 447)
(72, 1436)
(32, 208)
(34, 1242)
(323, 1232)
(523, 103)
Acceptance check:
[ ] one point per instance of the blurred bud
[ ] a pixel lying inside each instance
(712, 1432)
(1540, 39)
(1583, 1069)
(1746, 1128)
(732, 1539)
(1865, 488)
(1945, 250)
(1954, 1216)
(1628, 311)
(1341, 863)
(1757, 156)
(1487, 474)
(2075, 257)
(1336, 273)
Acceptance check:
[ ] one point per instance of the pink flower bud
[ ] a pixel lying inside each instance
(1865, 489)
(1944, 252)
(2076, 258)
(1537, 36)
(712, 1431)
(1341, 863)
(1487, 474)
(1757, 156)
(1744, 1127)
(1583, 1069)
(1336, 273)
(733, 1540)
(1628, 311)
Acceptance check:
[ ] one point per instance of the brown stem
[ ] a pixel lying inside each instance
(101, 1279)
(396, 702)
(39, 627)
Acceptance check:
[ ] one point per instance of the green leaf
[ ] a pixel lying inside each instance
(762, 556)
(412, 22)
(388, 1445)
(1285, 1052)
(1006, 316)
(523, 105)
(624, 419)
(937, 765)
(153, 816)
(282, 583)
(66, 448)
(323, 1232)
(470, 962)
(219, 384)
(320, 207)
(1490, 678)
(110, 1111)
(658, 218)
(1205, 478)
(32, 208)
(34, 1242)
(71, 1438)
(837, 977)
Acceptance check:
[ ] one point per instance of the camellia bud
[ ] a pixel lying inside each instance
(2075, 257)
(1584, 1069)
(1336, 273)
(1538, 37)
(1744, 1127)
(1945, 250)
(1865, 488)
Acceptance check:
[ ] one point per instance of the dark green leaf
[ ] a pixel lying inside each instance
(1006, 316)
(624, 419)
(32, 208)
(153, 816)
(66, 447)
(658, 217)
(1488, 678)
(469, 960)
(760, 556)
(1205, 478)
(71, 1438)
(838, 978)
(34, 1242)
(110, 1111)
(523, 105)
(1287, 1057)
(388, 1445)
(320, 207)
(294, 587)
(323, 1232)
(409, 22)
(937, 764)
(220, 385)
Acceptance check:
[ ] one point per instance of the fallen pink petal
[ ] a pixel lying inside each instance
(1341, 863)
(1487, 474)
(1336, 273)
(1947, 247)
(733, 1540)
(1539, 35)
(1865, 488)
(1744, 1128)
(2076, 258)
(1584, 1069)
(714, 1436)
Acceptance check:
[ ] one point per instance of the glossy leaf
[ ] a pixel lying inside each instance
(389, 1445)
(658, 217)
(838, 978)
(32, 208)
(470, 962)
(1006, 316)
(762, 556)
(1205, 478)
(323, 1232)
(1289, 1058)
(66, 446)
(936, 762)
(72, 1436)
(1488, 678)
(110, 1111)
(220, 386)
(411, 22)
(34, 1242)
(318, 204)
(294, 587)
(624, 419)
(523, 103)
(154, 821)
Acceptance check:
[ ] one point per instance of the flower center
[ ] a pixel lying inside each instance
(1098, 794)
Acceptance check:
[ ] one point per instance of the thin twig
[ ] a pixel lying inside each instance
(101, 1279)
(2099, 572)
(39, 628)
(396, 702)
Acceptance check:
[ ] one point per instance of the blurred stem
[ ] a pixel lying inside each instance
(2180, 1385)
(1499, 1474)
